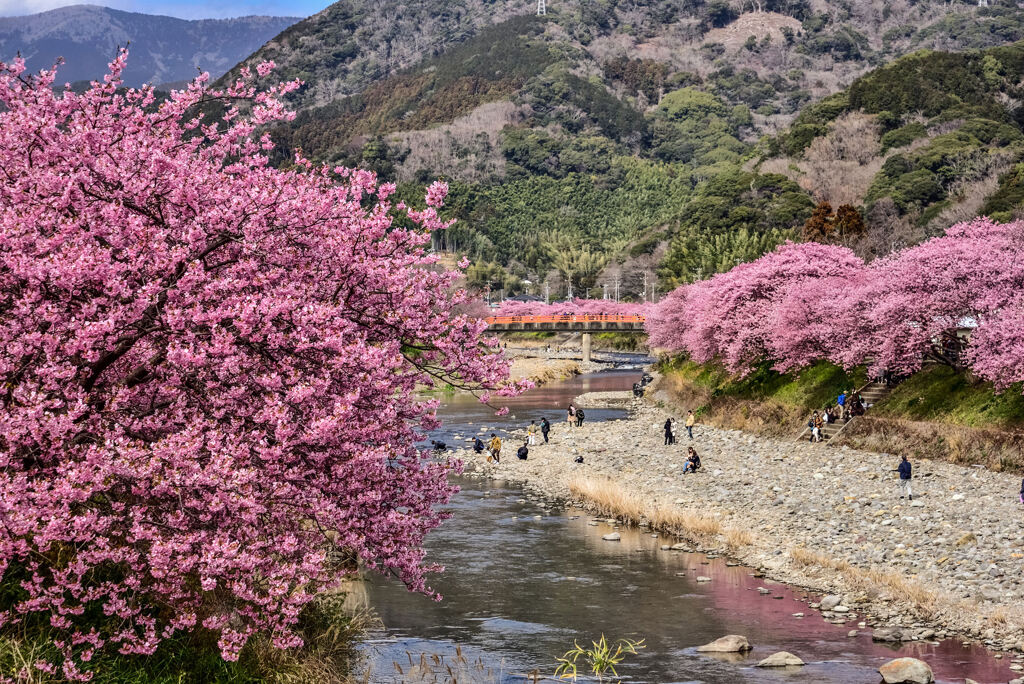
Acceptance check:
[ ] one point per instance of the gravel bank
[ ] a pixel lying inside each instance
(826, 518)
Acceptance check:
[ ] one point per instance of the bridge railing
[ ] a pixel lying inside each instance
(566, 318)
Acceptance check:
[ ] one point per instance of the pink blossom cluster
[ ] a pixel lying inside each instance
(208, 368)
(808, 302)
(573, 306)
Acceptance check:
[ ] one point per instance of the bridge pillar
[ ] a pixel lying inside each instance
(586, 347)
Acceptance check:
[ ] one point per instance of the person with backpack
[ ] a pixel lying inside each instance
(545, 428)
(522, 453)
(495, 448)
(580, 415)
(904, 469)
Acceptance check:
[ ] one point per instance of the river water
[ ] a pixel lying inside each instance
(524, 579)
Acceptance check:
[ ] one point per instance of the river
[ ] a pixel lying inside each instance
(524, 579)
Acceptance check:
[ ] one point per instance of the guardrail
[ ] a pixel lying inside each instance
(565, 318)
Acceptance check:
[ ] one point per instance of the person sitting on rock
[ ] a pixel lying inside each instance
(523, 452)
(692, 463)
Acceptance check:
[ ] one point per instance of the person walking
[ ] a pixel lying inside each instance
(905, 470)
(495, 448)
(580, 415)
(691, 420)
(545, 428)
(531, 433)
(668, 431)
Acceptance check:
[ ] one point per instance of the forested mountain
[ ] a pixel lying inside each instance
(163, 49)
(610, 140)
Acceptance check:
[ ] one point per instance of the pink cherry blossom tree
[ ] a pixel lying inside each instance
(808, 302)
(916, 296)
(733, 316)
(208, 368)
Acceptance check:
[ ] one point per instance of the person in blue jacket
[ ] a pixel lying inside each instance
(904, 470)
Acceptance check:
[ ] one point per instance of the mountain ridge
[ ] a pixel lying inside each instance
(163, 49)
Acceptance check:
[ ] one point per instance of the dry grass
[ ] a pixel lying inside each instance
(736, 538)
(875, 583)
(607, 497)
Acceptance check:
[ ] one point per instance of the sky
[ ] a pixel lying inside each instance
(185, 9)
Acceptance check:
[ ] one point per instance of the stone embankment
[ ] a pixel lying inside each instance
(830, 519)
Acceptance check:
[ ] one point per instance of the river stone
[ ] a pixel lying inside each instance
(731, 643)
(886, 634)
(906, 671)
(780, 659)
(703, 579)
(830, 602)
(614, 536)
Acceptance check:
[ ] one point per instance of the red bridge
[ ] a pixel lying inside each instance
(574, 322)
(581, 323)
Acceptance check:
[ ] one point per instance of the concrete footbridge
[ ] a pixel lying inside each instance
(586, 324)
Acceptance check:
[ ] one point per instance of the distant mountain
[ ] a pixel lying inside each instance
(163, 49)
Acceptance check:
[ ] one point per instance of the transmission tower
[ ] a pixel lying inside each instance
(541, 8)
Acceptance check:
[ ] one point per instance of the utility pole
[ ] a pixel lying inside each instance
(569, 295)
(547, 292)
(605, 294)
(616, 288)
(645, 286)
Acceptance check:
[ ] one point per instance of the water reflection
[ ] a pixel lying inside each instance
(523, 582)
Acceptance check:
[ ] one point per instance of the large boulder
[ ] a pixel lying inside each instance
(780, 659)
(906, 671)
(731, 643)
(830, 602)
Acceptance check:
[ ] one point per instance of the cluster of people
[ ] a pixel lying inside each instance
(848, 405)
(575, 416)
(670, 427)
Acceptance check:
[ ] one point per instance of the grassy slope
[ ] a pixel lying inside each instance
(940, 394)
(937, 413)
(812, 388)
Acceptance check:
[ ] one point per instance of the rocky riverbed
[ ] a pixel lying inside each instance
(817, 516)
